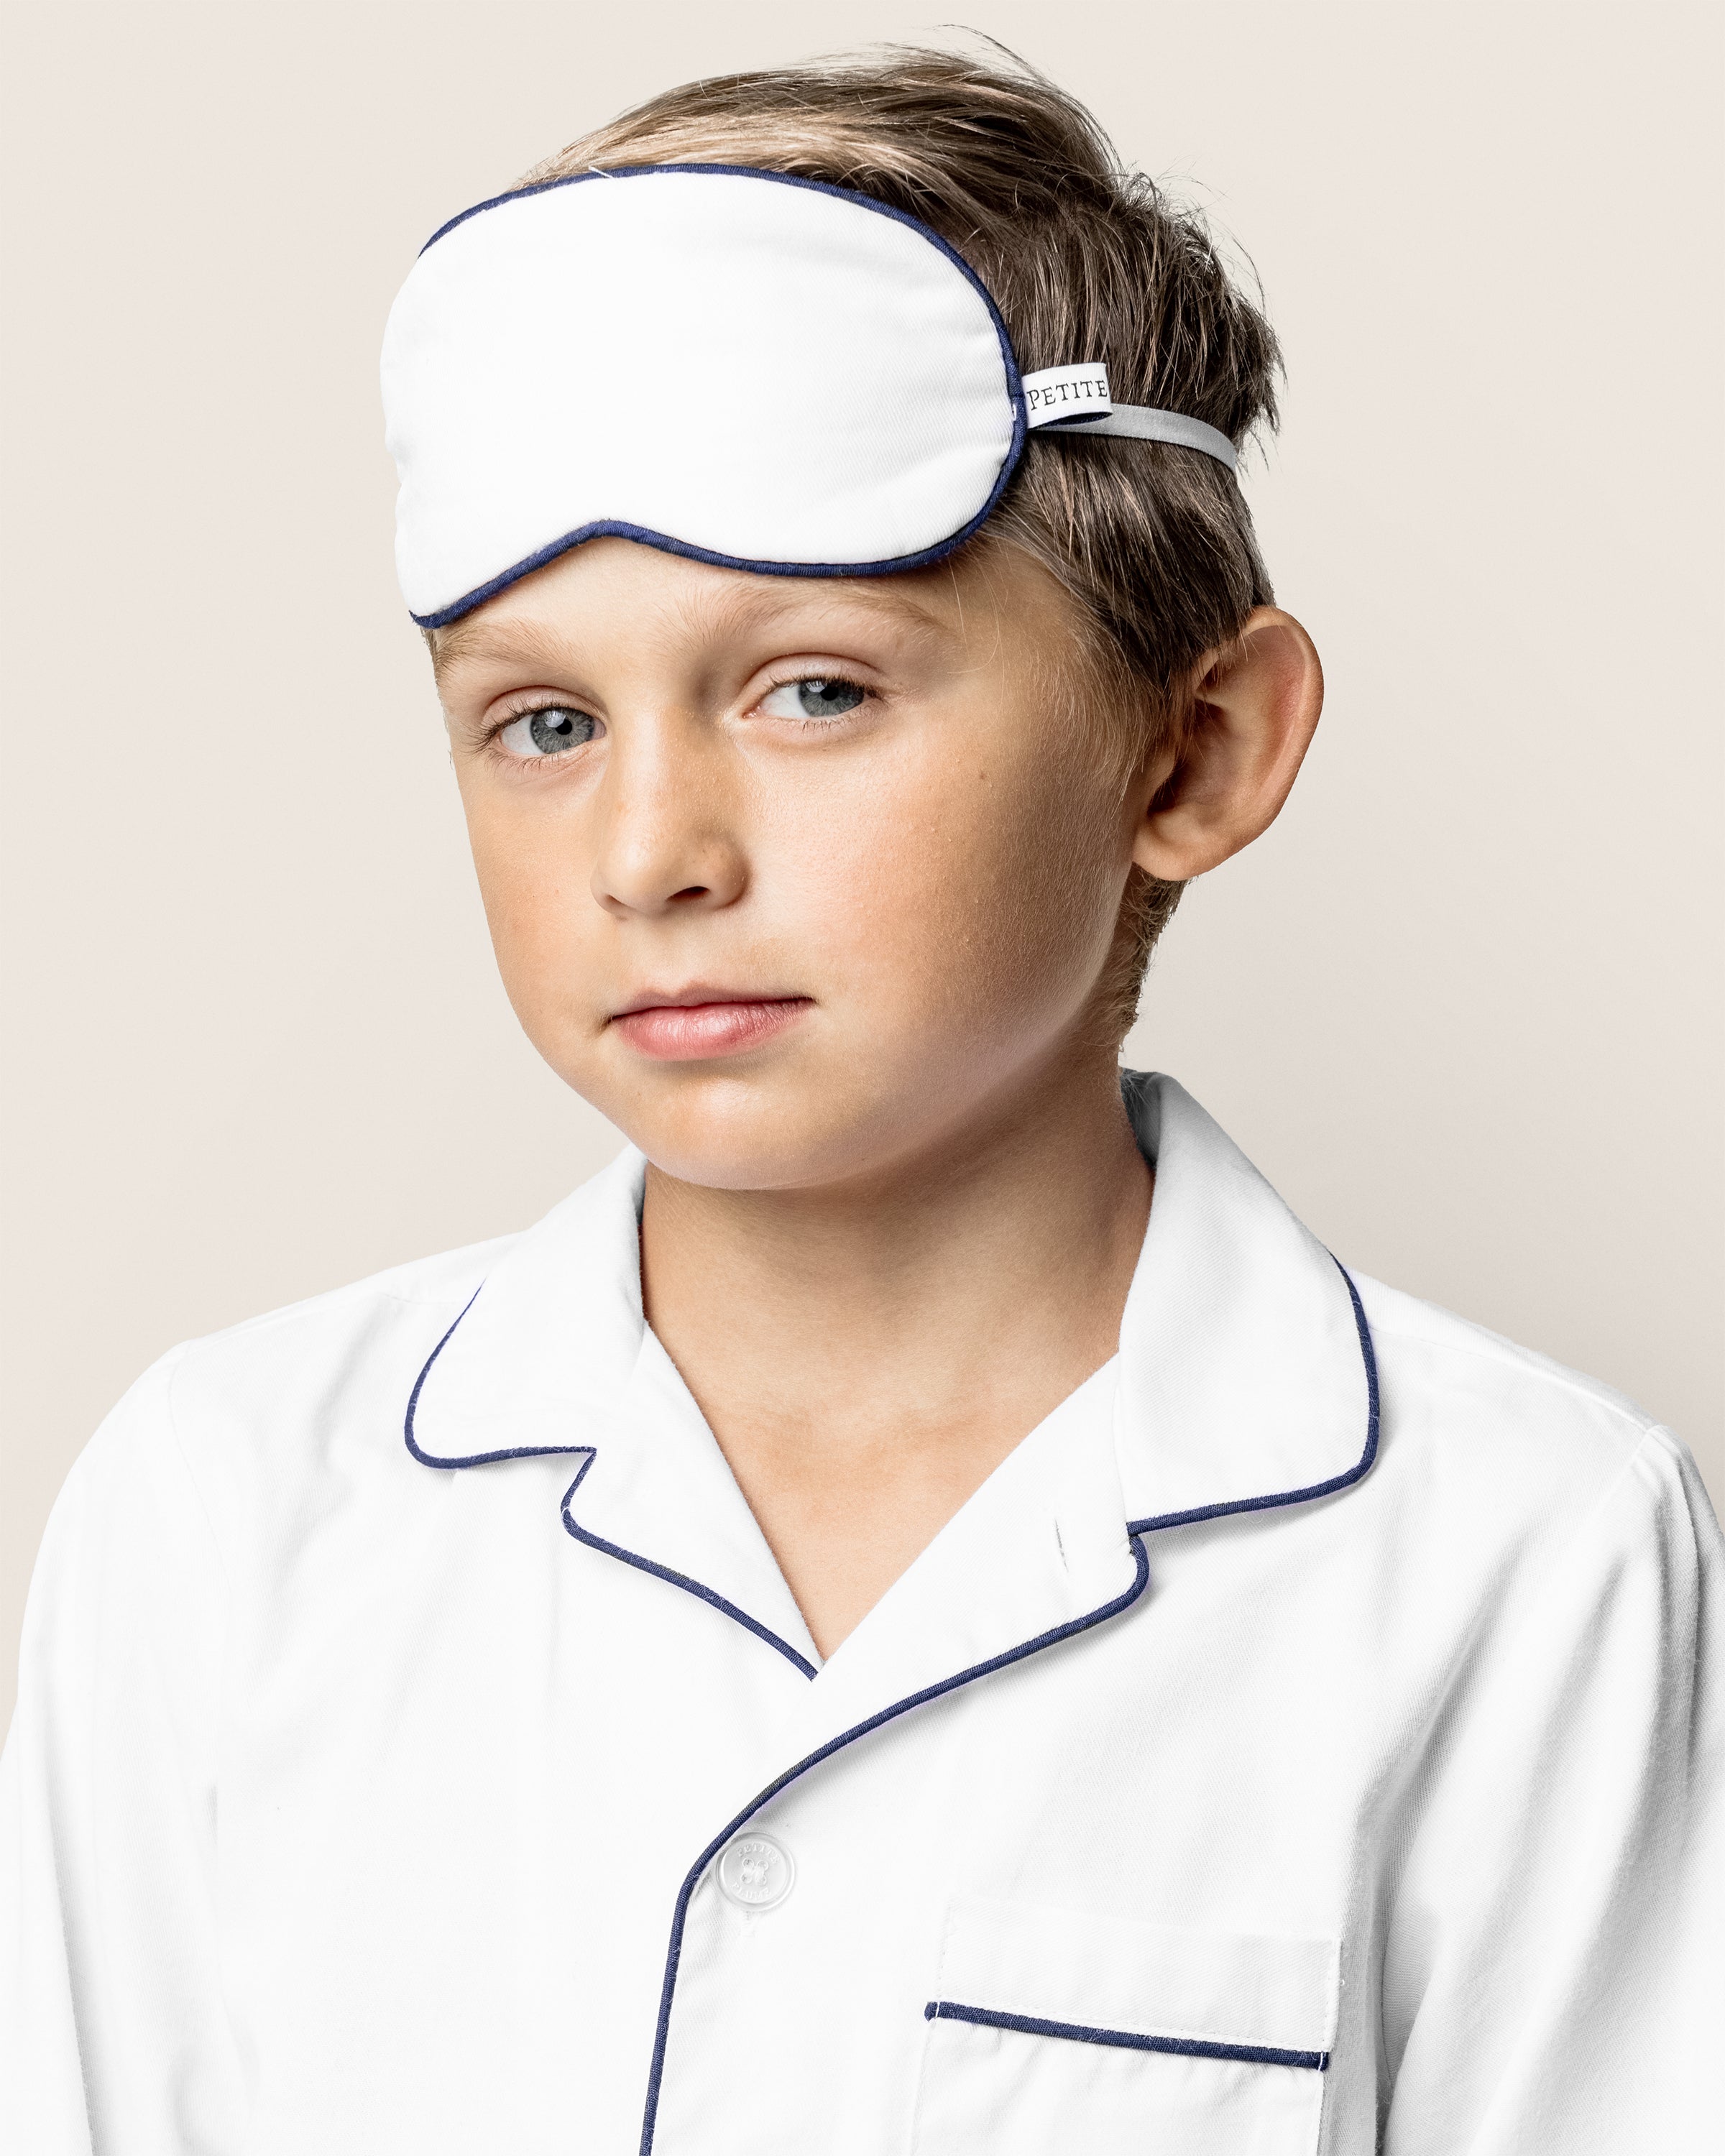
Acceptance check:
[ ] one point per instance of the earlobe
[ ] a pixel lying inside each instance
(1256, 708)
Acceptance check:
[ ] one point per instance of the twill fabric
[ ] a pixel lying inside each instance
(1309, 1739)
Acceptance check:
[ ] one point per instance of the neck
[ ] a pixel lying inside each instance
(979, 1277)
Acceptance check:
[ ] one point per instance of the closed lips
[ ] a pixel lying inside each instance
(705, 1024)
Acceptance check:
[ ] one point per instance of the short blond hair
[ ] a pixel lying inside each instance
(1152, 543)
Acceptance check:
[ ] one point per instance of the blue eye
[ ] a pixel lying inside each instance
(819, 697)
(548, 732)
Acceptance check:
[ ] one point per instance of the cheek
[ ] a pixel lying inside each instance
(984, 887)
(537, 894)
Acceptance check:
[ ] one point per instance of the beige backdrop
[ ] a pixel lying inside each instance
(1460, 1005)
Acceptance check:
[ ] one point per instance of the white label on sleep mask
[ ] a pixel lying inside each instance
(1058, 395)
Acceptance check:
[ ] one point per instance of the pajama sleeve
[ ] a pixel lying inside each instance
(1551, 1958)
(112, 2034)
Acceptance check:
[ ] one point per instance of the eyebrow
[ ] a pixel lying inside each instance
(477, 637)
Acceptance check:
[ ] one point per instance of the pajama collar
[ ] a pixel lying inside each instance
(1244, 1383)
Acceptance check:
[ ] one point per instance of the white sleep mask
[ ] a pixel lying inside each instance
(755, 370)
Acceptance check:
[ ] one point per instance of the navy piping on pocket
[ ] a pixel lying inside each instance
(1350, 1475)
(573, 1526)
(673, 1954)
(607, 528)
(1125, 2039)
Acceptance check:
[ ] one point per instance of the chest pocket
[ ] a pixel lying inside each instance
(1051, 2030)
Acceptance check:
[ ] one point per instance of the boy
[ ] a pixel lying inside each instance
(921, 1609)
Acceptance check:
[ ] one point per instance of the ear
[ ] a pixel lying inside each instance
(1257, 707)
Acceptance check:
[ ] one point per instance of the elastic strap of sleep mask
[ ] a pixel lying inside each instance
(1076, 400)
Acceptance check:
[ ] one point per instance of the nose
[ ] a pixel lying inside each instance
(667, 840)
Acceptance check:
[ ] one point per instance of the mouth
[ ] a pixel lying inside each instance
(695, 1023)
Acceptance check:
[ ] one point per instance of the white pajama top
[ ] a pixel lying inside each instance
(1308, 1739)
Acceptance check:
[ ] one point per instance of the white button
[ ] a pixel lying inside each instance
(756, 1871)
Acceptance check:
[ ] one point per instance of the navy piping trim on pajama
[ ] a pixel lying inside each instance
(470, 1458)
(582, 1534)
(605, 527)
(1341, 1481)
(1067, 1631)
(1125, 2039)
(677, 1579)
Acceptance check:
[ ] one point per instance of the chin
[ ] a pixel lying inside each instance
(754, 1124)
(727, 1128)
(740, 1152)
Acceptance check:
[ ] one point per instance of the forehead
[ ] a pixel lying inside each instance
(612, 583)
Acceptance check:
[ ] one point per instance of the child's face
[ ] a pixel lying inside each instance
(850, 810)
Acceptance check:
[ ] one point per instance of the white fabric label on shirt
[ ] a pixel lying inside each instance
(1059, 393)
